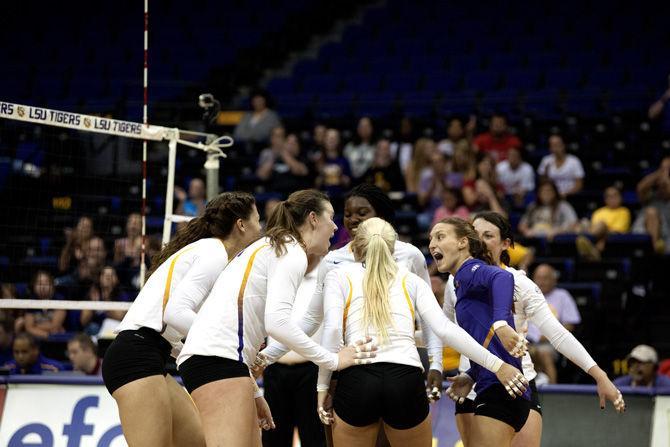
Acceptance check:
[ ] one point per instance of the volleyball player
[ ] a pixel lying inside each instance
(375, 297)
(529, 305)
(251, 299)
(153, 408)
(484, 308)
(361, 203)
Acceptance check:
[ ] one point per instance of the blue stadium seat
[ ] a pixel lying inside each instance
(321, 84)
(280, 86)
(563, 79)
(482, 81)
(401, 82)
(522, 79)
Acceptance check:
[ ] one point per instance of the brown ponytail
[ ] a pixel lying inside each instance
(218, 220)
(285, 221)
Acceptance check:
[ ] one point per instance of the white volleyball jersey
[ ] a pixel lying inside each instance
(251, 299)
(406, 256)
(409, 297)
(175, 291)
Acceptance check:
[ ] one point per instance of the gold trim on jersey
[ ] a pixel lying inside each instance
(168, 281)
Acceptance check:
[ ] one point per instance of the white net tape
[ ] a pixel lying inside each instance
(213, 147)
(63, 304)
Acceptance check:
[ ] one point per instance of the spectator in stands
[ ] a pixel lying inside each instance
(270, 153)
(516, 177)
(486, 171)
(658, 110)
(421, 159)
(6, 339)
(83, 354)
(334, 172)
(283, 167)
(402, 146)
(106, 289)
(44, 322)
(458, 135)
(498, 140)
(385, 172)
(433, 181)
(255, 127)
(563, 305)
(8, 291)
(361, 151)
(643, 370)
(270, 205)
(128, 250)
(75, 238)
(452, 206)
(549, 215)
(564, 169)
(479, 196)
(611, 218)
(75, 286)
(464, 162)
(194, 203)
(96, 251)
(318, 142)
(484, 193)
(654, 219)
(28, 359)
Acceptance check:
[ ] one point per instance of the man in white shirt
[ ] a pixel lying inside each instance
(563, 305)
(515, 175)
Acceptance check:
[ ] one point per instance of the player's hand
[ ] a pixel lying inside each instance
(359, 353)
(324, 407)
(607, 391)
(460, 387)
(434, 385)
(512, 379)
(259, 365)
(515, 343)
(264, 414)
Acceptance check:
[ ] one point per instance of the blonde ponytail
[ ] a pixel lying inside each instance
(374, 244)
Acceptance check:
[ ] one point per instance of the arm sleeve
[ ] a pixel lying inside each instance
(433, 342)
(284, 277)
(561, 338)
(332, 324)
(450, 299)
(501, 284)
(451, 334)
(192, 290)
(309, 322)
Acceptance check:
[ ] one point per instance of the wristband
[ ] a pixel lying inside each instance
(498, 324)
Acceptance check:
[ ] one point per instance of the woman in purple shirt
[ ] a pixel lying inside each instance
(484, 309)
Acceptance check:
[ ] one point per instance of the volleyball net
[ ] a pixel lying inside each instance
(72, 188)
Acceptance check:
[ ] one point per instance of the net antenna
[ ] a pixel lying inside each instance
(212, 145)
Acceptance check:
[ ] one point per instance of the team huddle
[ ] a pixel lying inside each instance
(219, 289)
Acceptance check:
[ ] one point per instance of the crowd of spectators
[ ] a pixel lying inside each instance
(461, 174)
